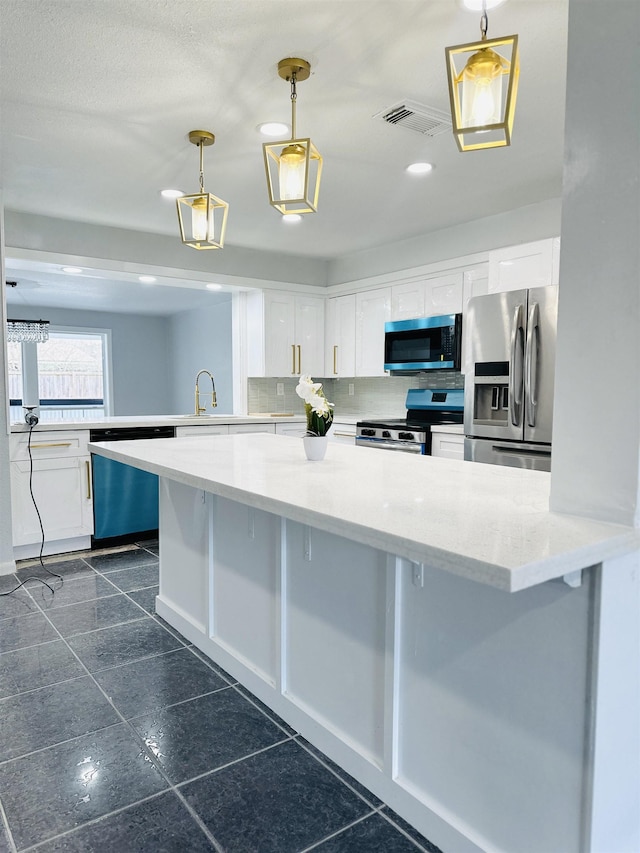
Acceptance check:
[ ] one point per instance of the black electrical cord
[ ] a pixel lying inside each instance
(32, 421)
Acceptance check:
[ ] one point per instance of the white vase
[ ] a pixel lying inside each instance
(315, 446)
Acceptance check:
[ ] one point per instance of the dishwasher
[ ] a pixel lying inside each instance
(125, 499)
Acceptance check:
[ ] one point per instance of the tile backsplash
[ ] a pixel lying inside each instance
(375, 396)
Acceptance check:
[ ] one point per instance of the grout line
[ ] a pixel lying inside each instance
(337, 775)
(338, 832)
(402, 831)
(7, 829)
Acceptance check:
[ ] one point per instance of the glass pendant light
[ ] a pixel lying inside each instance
(483, 90)
(293, 166)
(202, 216)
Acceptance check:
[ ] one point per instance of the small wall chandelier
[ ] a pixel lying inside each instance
(27, 331)
(202, 216)
(293, 166)
(482, 107)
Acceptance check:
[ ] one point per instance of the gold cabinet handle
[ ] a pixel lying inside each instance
(88, 469)
(335, 360)
(53, 444)
(293, 359)
(299, 359)
(346, 434)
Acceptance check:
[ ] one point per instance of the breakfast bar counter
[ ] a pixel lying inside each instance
(427, 623)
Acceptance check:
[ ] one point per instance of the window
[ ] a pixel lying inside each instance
(69, 372)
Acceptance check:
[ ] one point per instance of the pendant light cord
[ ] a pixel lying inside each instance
(201, 149)
(294, 98)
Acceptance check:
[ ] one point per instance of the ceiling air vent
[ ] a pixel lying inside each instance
(416, 117)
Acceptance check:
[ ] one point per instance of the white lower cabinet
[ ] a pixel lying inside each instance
(61, 484)
(213, 429)
(447, 445)
(344, 433)
(296, 430)
(236, 429)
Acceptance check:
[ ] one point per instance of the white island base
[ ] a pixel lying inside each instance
(461, 706)
(490, 720)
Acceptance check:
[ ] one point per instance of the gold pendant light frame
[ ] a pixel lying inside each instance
(301, 152)
(209, 211)
(501, 56)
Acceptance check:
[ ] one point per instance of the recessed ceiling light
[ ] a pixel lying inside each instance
(72, 270)
(273, 128)
(291, 217)
(214, 287)
(147, 279)
(476, 5)
(171, 193)
(419, 168)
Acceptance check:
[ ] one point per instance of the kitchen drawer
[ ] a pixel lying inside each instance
(237, 429)
(56, 444)
(190, 431)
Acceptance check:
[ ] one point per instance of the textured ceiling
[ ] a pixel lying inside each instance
(98, 97)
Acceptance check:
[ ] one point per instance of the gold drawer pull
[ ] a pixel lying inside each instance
(346, 434)
(88, 464)
(54, 444)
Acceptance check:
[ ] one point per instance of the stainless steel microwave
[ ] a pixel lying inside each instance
(426, 343)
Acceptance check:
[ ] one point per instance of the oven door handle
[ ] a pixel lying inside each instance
(397, 446)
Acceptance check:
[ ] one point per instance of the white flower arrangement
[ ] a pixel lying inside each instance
(318, 409)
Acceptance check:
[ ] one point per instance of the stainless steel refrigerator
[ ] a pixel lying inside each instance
(510, 341)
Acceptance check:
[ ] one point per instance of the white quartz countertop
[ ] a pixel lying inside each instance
(488, 523)
(160, 420)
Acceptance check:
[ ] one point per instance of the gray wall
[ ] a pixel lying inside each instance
(201, 339)
(140, 355)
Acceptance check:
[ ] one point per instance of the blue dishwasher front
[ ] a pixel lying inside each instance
(125, 499)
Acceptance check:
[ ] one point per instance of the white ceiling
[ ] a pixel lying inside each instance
(97, 98)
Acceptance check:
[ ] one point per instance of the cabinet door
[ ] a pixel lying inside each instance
(279, 329)
(447, 446)
(373, 310)
(62, 490)
(407, 301)
(296, 430)
(343, 433)
(517, 267)
(309, 335)
(476, 283)
(443, 295)
(341, 336)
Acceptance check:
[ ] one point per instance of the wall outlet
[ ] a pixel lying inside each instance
(352, 389)
(280, 389)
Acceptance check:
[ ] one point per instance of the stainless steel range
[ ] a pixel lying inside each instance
(426, 407)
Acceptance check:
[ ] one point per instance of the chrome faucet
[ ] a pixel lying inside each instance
(214, 402)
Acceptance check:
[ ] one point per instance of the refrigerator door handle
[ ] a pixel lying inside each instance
(531, 362)
(516, 377)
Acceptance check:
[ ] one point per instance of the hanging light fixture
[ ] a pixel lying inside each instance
(293, 166)
(27, 331)
(202, 216)
(483, 90)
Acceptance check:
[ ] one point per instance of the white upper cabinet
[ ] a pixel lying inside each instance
(340, 340)
(407, 300)
(443, 295)
(526, 265)
(475, 283)
(428, 297)
(285, 334)
(373, 310)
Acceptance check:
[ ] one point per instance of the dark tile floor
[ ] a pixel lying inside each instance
(118, 736)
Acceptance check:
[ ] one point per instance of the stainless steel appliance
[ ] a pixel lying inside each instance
(511, 346)
(425, 407)
(426, 343)
(125, 499)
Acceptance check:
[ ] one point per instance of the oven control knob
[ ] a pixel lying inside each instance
(407, 436)
(386, 433)
(367, 432)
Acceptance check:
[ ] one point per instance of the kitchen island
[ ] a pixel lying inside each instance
(427, 623)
